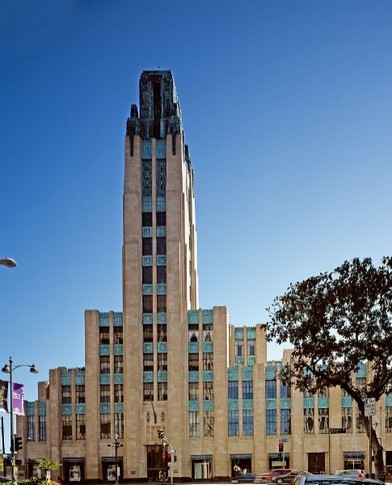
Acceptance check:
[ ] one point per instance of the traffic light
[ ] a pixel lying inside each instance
(169, 457)
(18, 443)
(161, 434)
(280, 447)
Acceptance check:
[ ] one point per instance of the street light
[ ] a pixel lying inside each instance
(116, 445)
(9, 369)
(9, 262)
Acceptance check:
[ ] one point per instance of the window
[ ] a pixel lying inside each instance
(161, 245)
(239, 348)
(208, 423)
(42, 428)
(31, 428)
(270, 418)
(105, 426)
(347, 420)
(147, 303)
(162, 335)
(285, 421)
(309, 420)
(80, 427)
(66, 426)
(147, 219)
(118, 393)
(104, 362)
(208, 361)
(193, 332)
(285, 390)
(147, 333)
(208, 332)
(119, 425)
(66, 396)
(270, 389)
(193, 391)
(147, 246)
(388, 419)
(193, 362)
(148, 362)
(104, 393)
(233, 390)
(247, 389)
(118, 335)
(233, 423)
(161, 303)
(161, 218)
(148, 391)
(104, 335)
(323, 420)
(247, 422)
(194, 424)
(162, 362)
(251, 347)
(162, 391)
(147, 275)
(118, 364)
(80, 394)
(161, 274)
(208, 391)
(360, 426)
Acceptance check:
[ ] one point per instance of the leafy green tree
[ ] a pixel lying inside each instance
(337, 321)
(46, 465)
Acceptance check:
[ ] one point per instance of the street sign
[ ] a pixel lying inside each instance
(370, 406)
(282, 440)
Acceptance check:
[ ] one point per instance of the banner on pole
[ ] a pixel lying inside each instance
(3, 396)
(18, 399)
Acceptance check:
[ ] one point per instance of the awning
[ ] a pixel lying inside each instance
(277, 456)
(201, 457)
(73, 460)
(241, 456)
(354, 454)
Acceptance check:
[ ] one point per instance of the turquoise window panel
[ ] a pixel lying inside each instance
(118, 349)
(193, 347)
(65, 378)
(232, 374)
(147, 289)
(270, 403)
(162, 376)
(104, 408)
(147, 318)
(148, 347)
(285, 403)
(193, 316)
(161, 204)
(193, 405)
(80, 377)
(161, 289)
(247, 373)
(104, 378)
(146, 231)
(161, 231)
(162, 347)
(193, 376)
(147, 149)
(80, 408)
(148, 377)
(104, 320)
(208, 347)
(118, 408)
(239, 333)
(361, 370)
(146, 204)
(308, 402)
(323, 402)
(161, 260)
(251, 333)
(30, 409)
(118, 319)
(239, 361)
(270, 372)
(160, 149)
(233, 405)
(208, 405)
(118, 378)
(208, 376)
(247, 404)
(388, 400)
(146, 260)
(251, 359)
(66, 409)
(41, 408)
(346, 402)
(207, 316)
(162, 317)
(104, 349)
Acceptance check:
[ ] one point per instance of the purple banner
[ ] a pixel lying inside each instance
(4, 396)
(18, 399)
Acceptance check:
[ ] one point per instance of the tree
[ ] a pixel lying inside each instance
(46, 465)
(337, 321)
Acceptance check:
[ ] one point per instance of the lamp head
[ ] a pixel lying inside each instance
(9, 262)
(6, 369)
(33, 369)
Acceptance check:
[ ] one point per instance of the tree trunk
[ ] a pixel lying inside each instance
(377, 450)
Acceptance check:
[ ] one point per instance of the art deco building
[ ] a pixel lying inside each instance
(165, 364)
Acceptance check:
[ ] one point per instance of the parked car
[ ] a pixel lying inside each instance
(306, 479)
(285, 478)
(354, 471)
(275, 472)
(244, 478)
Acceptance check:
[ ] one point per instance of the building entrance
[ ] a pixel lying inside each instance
(156, 463)
(316, 463)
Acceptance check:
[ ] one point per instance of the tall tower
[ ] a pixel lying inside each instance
(159, 269)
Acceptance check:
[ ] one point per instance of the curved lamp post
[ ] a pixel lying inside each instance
(9, 369)
(9, 262)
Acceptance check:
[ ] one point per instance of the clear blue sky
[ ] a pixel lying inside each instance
(287, 110)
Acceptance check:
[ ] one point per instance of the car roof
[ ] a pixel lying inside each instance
(339, 479)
